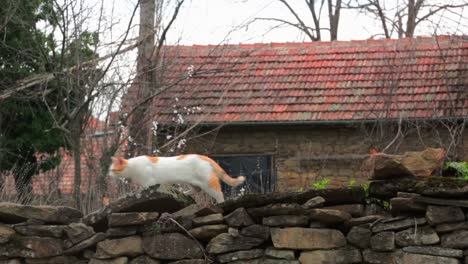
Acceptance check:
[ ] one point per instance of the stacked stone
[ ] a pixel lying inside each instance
(39, 234)
(333, 226)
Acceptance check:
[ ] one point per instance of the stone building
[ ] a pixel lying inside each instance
(292, 114)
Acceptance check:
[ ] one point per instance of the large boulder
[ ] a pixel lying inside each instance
(16, 213)
(417, 163)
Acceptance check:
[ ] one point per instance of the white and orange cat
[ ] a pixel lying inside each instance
(197, 170)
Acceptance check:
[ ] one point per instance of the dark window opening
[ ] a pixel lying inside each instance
(258, 170)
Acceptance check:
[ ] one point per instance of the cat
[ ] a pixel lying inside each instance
(194, 169)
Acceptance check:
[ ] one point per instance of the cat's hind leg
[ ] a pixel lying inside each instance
(213, 189)
(217, 195)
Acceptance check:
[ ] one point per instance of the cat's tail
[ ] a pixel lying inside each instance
(232, 181)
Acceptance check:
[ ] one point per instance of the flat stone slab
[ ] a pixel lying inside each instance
(32, 247)
(280, 253)
(286, 220)
(129, 219)
(350, 195)
(449, 227)
(375, 257)
(120, 260)
(147, 200)
(77, 232)
(398, 224)
(383, 241)
(277, 209)
(213, 219)
(424, 235)
(435, 251)
(171, 246)
(457, 239)
(6, 232)
(425, 259)
(89, 242)
(241, 255)
(54, 260)
(337, 256)
(329, 216)
(314, 202)
(131, 246)
(41, 230)
(359, 237)
(443, 214)
(307, 238)
(363, 220)
(239, 217)
(355, 210)
(435, 187)
(12, 213)
(224, 243)
(207, 232)
(257, 231)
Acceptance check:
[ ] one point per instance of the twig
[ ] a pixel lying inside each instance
(167, 216)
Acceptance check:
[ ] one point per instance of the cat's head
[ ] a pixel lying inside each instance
(117, 167)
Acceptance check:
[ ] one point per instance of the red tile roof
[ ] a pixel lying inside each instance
(319, 81)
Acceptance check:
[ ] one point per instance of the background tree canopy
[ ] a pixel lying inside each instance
(29, 137)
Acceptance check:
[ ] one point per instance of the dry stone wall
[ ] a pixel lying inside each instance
(317, 226)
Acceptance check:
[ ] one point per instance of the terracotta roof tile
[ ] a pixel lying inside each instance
(320, 81)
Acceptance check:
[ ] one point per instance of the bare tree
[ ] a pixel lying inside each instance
(312, 31)
(403, 18)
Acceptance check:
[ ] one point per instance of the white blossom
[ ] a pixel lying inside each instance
(190, 71)
(181, 143)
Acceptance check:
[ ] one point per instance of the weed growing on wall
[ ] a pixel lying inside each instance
(460, 168)
(321, 184)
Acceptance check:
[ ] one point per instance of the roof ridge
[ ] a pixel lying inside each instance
(336, 43)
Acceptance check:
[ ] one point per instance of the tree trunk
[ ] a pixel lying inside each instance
(334, 16)
(140, 121)
(411, 23)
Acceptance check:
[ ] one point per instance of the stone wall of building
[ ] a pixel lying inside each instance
(304, 155)
(349, 225)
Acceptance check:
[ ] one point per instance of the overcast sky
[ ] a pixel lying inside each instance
(211, 21)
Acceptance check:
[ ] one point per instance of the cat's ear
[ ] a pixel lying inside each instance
(114, 159)
(121, 160)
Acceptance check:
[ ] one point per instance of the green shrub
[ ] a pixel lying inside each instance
(322, 184)
(460, 168)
